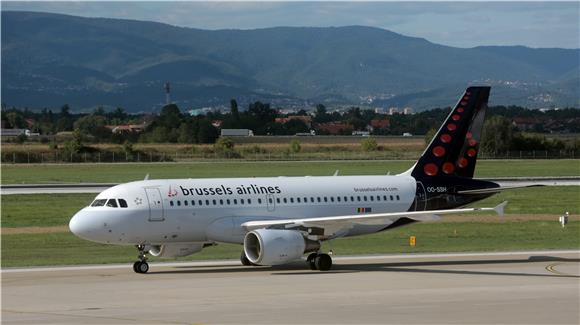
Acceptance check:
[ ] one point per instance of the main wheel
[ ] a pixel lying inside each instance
(323, 262)
(311, 261)
(141, 267)
(135, 266)
(244, 259)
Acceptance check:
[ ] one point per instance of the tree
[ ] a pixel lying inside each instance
(429, 135)
(170, 116)
(320, 114)
(497, 135)
(93, 125)
(206, 132)
(65, 122)
(234, 110)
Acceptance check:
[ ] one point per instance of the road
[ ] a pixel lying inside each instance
(517, 288)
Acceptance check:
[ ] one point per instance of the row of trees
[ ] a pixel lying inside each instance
(170, 125)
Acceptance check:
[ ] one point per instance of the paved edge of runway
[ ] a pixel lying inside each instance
(336, 258)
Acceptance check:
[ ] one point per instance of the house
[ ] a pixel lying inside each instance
(525, 123)
(379, 124)
(304, 118)
(127, 128)
(335, 128)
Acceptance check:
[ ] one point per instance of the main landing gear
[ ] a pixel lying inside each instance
(141, 265)
(319, 261)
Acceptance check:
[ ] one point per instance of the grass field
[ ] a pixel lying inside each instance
(66, 249)
(115, 173)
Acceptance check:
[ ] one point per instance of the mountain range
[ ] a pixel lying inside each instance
(51, 59)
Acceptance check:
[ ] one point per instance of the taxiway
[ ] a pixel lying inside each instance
(521, 287)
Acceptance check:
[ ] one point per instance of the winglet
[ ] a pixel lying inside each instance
(499, 209)
(335, 173)
(146, 177)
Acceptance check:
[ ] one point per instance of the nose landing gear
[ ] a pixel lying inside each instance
(141, 265)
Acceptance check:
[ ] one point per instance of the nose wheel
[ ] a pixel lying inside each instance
(141, 265)
(319, 261)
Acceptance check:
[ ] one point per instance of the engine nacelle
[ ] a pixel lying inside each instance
(175, 250)
(274, 247)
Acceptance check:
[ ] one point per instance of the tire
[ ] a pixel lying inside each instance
(135, 267)
(143, 267)
(311, 257)
(323, 262)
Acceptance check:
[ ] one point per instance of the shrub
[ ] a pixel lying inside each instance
(369, 144)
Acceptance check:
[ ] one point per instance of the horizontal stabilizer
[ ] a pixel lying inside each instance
(499, 209)
(494, 189)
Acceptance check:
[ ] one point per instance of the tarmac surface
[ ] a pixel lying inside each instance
(522, 287)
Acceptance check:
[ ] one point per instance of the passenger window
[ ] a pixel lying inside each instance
(259, 201)
(200, 202)
(122, 203)
(305, 200)
(378, 197)
(221, 202)
(214, 202)
(291, 200)
(352, 198)
(178, 203)
(241, 201)
(192, 202)
(318, 199)
(235, 201)
(270, 200)
(391, 197)
(365, 198)
(358, 198)
(312, 199)
(185, 202)
(325, 199)
(285, 200)
(171, 203)
(372, 198)
(338, 198)
(249, 201)
(384, 198)
(298, 199)
(332, 199)
(206, 202)
(278, 200)
(346, 199)
(112, 203)
(228, 201)
(398, 198)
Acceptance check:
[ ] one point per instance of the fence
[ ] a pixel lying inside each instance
(145, 157)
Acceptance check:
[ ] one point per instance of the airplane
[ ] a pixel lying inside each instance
(279, 220)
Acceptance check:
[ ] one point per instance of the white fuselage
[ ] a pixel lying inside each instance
(212, 210)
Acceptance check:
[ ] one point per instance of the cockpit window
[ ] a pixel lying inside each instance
(122, 203)
(112, 203)
(99, 203)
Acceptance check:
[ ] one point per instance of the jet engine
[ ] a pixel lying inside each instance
(273, 247)
(175, 250)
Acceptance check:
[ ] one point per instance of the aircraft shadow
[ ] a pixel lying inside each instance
(399, 267)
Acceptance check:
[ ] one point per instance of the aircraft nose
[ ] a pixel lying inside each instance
(79, 225)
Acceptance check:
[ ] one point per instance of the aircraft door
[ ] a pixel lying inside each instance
(156, 212)
(420, 203)
(271, 203)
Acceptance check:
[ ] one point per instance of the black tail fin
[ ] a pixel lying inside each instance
(453, 151)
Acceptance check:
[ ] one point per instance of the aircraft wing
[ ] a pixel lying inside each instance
(334, 225)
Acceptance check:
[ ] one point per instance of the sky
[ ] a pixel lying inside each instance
(460, 24)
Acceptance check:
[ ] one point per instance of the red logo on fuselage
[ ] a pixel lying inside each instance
(171, 192)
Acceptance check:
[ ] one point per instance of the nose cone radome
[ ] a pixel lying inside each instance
(83, 226)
